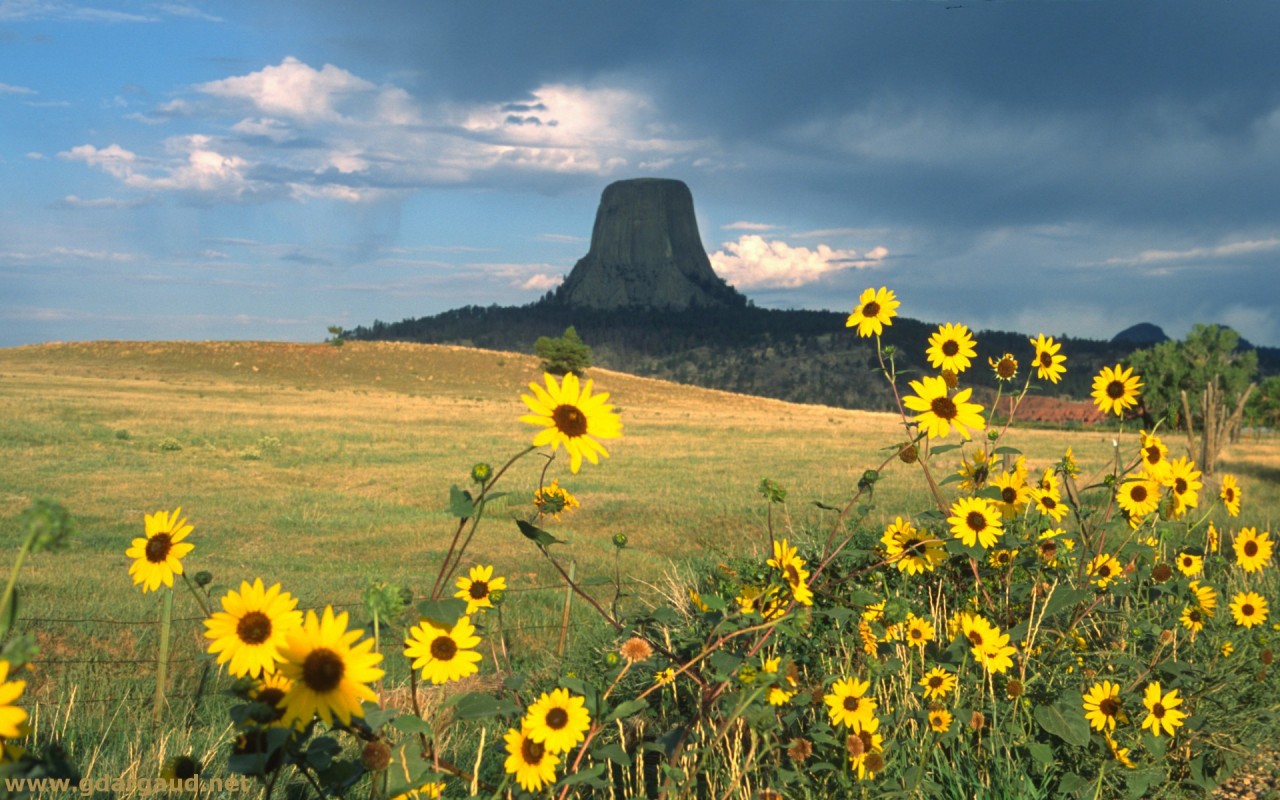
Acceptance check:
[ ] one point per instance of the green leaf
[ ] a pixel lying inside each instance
(408, 769)
(411, 725)
(460, 503)
(537, 534)
(943, 448)
(321, 751)
(477, 705)
(1065, 597)
(713, 602)
(376, 717)
(954, 477)
(1042, 753)
(1065, 722)
(1006, 450)
(627, 709)
(824, 506)
(613, 752)
(444, 613)
(724, 663)
(590, 776)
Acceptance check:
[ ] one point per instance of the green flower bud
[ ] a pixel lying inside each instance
(481, 473)
(619, 540)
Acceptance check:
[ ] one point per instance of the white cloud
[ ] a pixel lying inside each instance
(1198, 253)
(542, 282)
(743, 225)
(753, 262)
(292, 89)
(6, 88)
(196, 166)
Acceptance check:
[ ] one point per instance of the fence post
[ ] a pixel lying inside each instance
(564, 616)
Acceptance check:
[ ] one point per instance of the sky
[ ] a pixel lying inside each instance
(263, 170)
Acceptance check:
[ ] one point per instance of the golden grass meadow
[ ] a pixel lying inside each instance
(690, 629)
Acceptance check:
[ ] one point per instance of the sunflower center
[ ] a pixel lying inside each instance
(569, 420)
(532, 751)
(1115, 390)
(935, 682)
(943, 407)
(479, 590)
(1049, 549)
(1046, 360)
(1194, 615)
(1153, 455)
(1250, 548)
(912, 545)
(871, 309)
(254, 628)
(1246, 610)
(976, 521)
(158, 548)
(852, 703)
(917, 633)
(1104, 571)
(322, 671)
(1138, 493)
(1157, 711)
(1229, 495)
(1048, 502)
(1009, 494)
(443, 648)
(950, 347)
(557, 718)
(1109, 706)
(793, 576)
(272, 696)
(1180, 486)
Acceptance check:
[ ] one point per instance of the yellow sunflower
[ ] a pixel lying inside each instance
(253, 626)
(912, 551)
(847, 704)
(1051, 544)
(1249, 609)
(1206, 597)
(1230, 495)
(974, 471)
(443, 654)
(1162, 710)
(781, 692)
(1005, 368)
(532, 764)
(793, 572)
(1049, 364)
(1014, 494)
(990, 645)
(939, 720)
(864, 746)
(330, 676)
(1184, 481)
(1190, 564)
(1049, 502)
(271, 690)
(1138, 497)
(938, 414)
(1102, 705)
(557, 720)
(1193, 619)
(157, 557)
(554, 500)
(875, 309)
(1155, 457)
(1253, 549)
(919, 631)
(1119, 753)
(1105, 569)
(570, 415)
(938, 683)
(975, 520)
(11, 716)
(950, 348)
(1116, 389)
(477, 587)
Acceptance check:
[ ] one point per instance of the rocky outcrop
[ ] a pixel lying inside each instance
(646, 253)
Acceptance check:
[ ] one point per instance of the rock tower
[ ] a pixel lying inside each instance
(646, 253)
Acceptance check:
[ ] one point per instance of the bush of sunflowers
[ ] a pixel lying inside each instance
(1059, 632)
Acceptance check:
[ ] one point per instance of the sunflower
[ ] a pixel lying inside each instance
(1206, 597)
(1184, 480)
(1049, 364)
(1102, 705)
(252, 627)
(847, 704)
(1049, 502)
(793, 572)
(864, 746)
(157, 557)
(1051, 544)
(11, 716)
(531, 762)
(478, 586)
(570, 415)
(1212, 539)
(1253, 549)
(1193, 619)
(939, 720)
(1138, 497)
(974, 471)
(1190, 564)
(431, 790)
(996, 655)
(938, 683)
(911, 550)
(443, 654)
(1119, 753)
(271, 689)
(938, 414)
(764, 601)
(1227, 649)
(1116, 389)
(919, 631)
(664, 677)
(975, 520)
(1005, 368)
(330, 677)
(554, 500)
(1155, 456)
(1249, 609)
(1162, 710)
(950, 348)
(557, 720)
(875, 310)
(1014, 494)
(781, 692)
(1105, 569)
(1230, 495)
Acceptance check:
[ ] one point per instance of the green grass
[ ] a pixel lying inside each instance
(323, 467)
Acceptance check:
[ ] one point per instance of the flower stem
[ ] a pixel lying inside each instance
(13, 581)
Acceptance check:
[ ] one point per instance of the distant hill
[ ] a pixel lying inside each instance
(1144, 334)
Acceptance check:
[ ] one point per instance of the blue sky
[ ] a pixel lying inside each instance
(261, 170)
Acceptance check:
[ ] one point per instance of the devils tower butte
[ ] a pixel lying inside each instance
(646, 253)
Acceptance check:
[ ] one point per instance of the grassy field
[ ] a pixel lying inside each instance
(323, 467)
